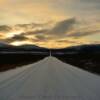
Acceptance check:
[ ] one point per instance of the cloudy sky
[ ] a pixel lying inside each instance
(50, 23)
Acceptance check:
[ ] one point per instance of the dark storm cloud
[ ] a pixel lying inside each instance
(62, 27)
(15, 38)
(5, 28)
(19, 37)
(24, 27)
(41, 37)
(83, 34)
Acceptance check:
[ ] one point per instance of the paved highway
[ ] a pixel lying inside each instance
(49, 79)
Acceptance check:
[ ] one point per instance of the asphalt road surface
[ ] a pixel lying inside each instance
(49, 79)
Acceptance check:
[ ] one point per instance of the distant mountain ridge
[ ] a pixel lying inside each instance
(92, 48)
(4, 45)
(80, 48)
(11, 48)
(30, 46)
(87, 48)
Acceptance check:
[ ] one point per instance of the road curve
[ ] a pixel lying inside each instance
(49, 79)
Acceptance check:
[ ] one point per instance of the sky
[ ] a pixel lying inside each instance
(50, 23)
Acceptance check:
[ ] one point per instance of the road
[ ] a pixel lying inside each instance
(49, 79)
